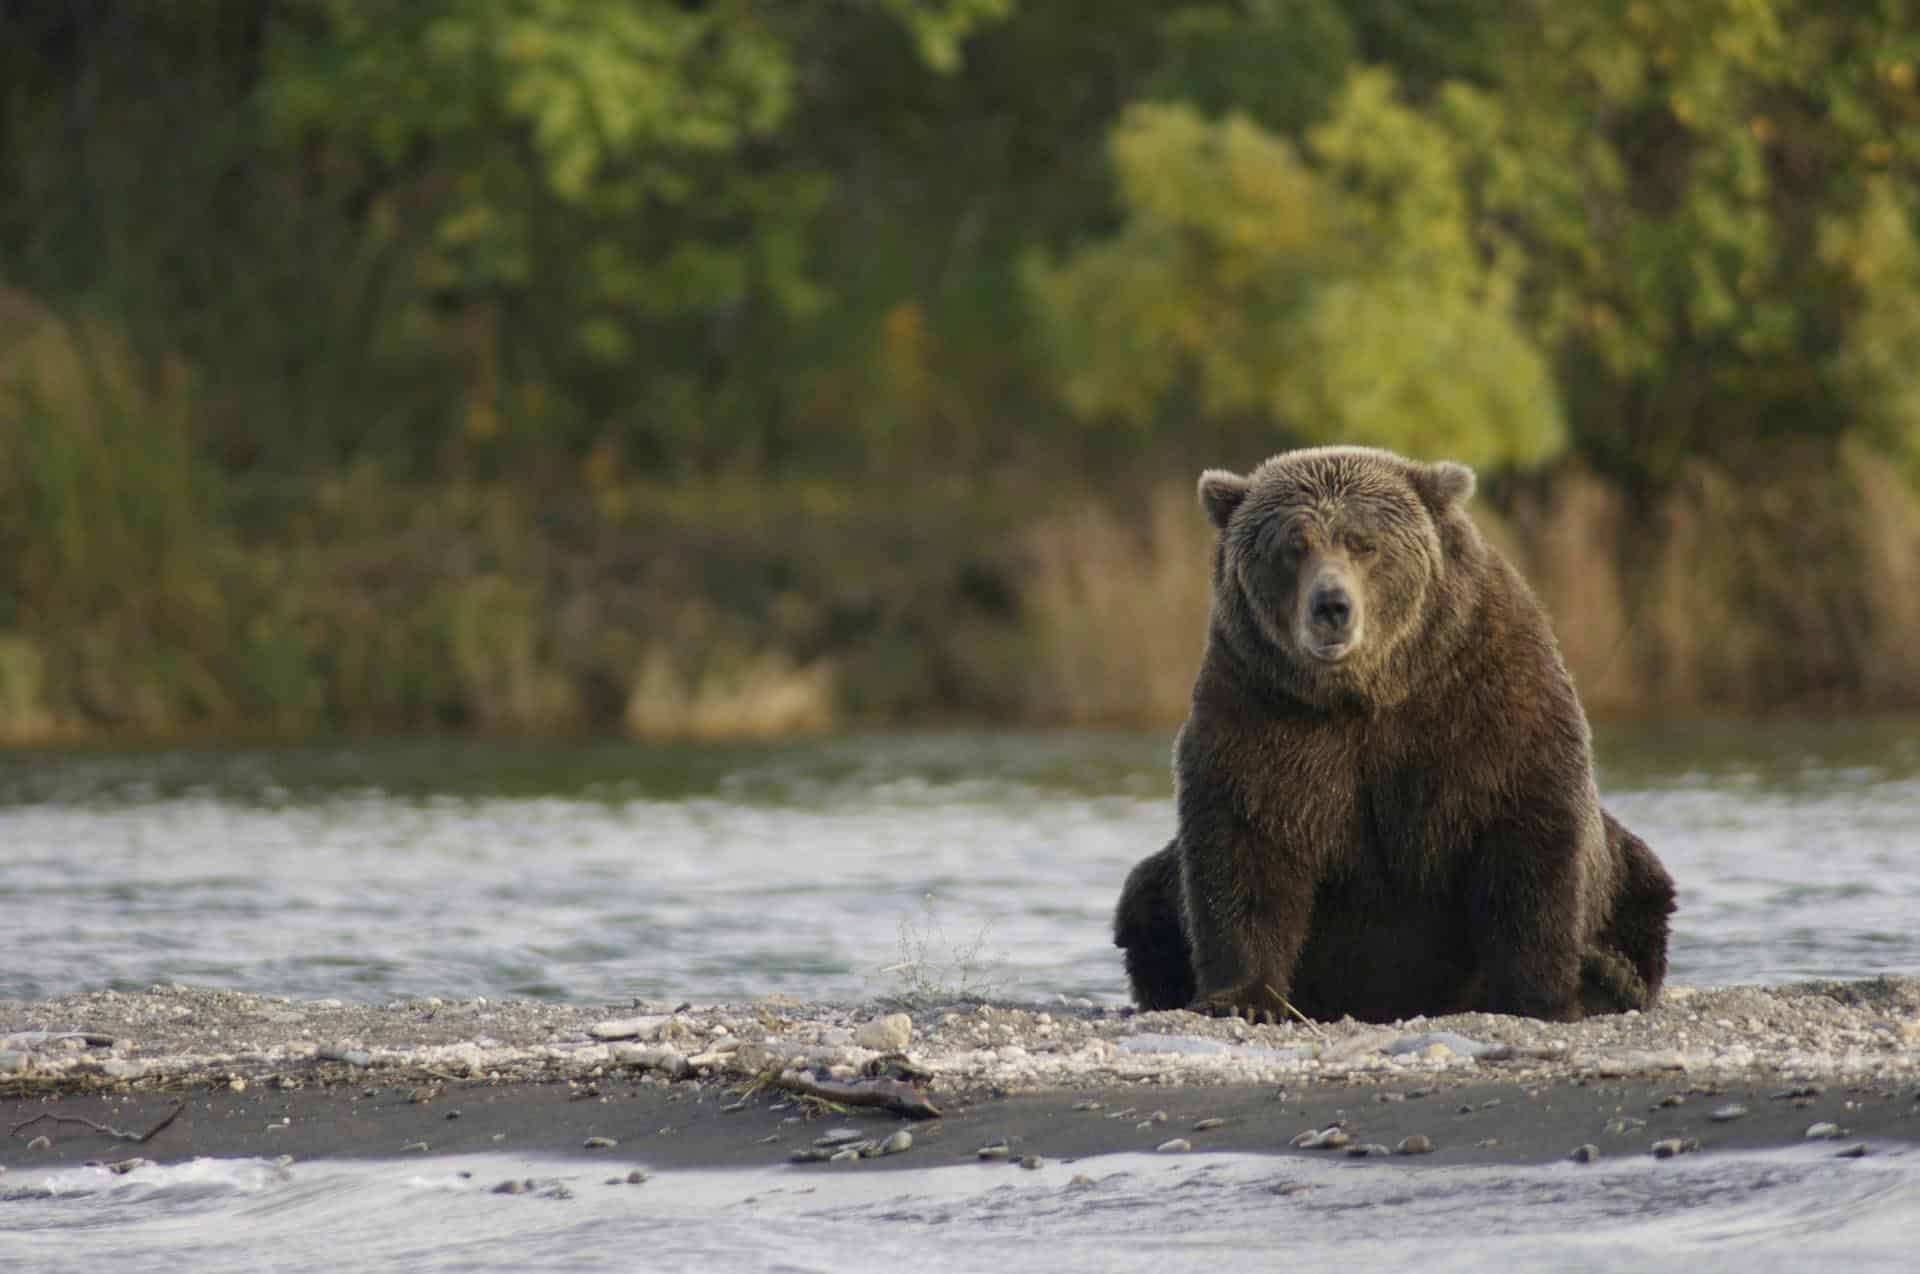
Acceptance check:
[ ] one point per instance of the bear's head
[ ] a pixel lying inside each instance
(1332, 568)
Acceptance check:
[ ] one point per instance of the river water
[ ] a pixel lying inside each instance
(849, 869)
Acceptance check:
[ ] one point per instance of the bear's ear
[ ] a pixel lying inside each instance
(1221, 493)
(1443, 485)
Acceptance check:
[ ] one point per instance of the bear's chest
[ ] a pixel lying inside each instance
(1365, 801)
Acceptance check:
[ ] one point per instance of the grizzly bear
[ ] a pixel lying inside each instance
(1384, 786)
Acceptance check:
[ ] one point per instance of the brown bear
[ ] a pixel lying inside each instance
(1385, 784)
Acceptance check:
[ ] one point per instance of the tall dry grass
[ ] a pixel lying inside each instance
(1116, 602)
(1802, 592)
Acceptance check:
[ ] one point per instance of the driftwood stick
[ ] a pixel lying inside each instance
(889, 1094)
(138, 1138)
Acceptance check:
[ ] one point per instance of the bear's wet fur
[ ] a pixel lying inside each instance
(1385, 785)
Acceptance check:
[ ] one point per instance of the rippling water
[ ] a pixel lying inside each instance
(846, 869)
(827, 870)
(1746, 1214)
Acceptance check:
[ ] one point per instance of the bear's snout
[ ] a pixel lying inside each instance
(1331, 616)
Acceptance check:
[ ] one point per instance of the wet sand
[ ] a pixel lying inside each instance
(703, 1125)
(666, 1086)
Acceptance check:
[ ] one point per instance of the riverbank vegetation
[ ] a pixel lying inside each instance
(745, 367)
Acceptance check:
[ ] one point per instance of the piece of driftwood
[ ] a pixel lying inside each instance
(895, 1095)
(138, 1138)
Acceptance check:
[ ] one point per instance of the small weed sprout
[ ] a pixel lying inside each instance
(933, 969)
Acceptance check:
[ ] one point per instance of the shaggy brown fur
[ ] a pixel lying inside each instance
(1385, 785)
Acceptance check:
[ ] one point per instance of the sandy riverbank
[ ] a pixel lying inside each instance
(686, 1086)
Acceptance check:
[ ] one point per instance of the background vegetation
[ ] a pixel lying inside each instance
(760, 365)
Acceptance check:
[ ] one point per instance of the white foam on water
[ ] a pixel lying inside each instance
(1751, 1213)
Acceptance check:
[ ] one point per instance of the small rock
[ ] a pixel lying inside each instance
(125, 1166)
(1081, 1181)
(839, 1137)
(1175, 1146)
(1331, 1138)
(1372, 1150)
(810, 1154)
(1031, 1161)
(1671, 1146)
(1585, 1154)
(636, 1177)
(1728, 1113)
(1823, 1131)
(889, 1034)
(1418, 1144)
(1674, 1099)
(1856, 1151)
(898, 1143)
(511, 1187)
(1207, 1125)
(1157, 1117)
(600, 1143)
(42, 1142)
(1798, 1092)
(415, 1147)
(628, 1028)
(1086, 1105)
(846, 1155)
(994, 1150)
(13, 1061)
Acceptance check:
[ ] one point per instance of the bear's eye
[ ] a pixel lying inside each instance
(1360, 546)
(1294, 545)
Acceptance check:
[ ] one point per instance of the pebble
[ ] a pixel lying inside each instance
(1823, 1131)
(810, 1154)
(627, 1028)
(994, 1150)
(417, 1147)
(636, 1177)
(889, 1034)
(1207, 1125)
(42, 1142)
(846, 1155)
(897, 1143)
(839, 1137)
(1174, 1146)
(1585, 1154)
(1321, 1139)
(125, 1166)
(512, 1187)
(1372, 1150)
(1081, 1181)
(1728, 1113)
(1672, 1146)
(600, 1143)
(1031, 1161)
(1857, 1151)
(1418, 1144)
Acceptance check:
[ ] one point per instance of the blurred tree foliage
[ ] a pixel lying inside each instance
(860, 236)
(260, 258)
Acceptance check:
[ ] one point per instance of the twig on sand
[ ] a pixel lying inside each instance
(1287, 1004)
(896, 1095)
(138, 1138)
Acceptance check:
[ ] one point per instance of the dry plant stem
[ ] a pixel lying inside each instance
(1304, 1020)
(138, 1138)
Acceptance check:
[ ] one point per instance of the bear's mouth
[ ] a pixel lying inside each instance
(1331, 652)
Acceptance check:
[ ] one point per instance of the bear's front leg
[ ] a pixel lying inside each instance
(1530, 912)
(1248, 908)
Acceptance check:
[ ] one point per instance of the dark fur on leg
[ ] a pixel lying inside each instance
(1643, 899)
(1147, 926)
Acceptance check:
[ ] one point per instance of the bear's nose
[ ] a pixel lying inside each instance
(1330, 608)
